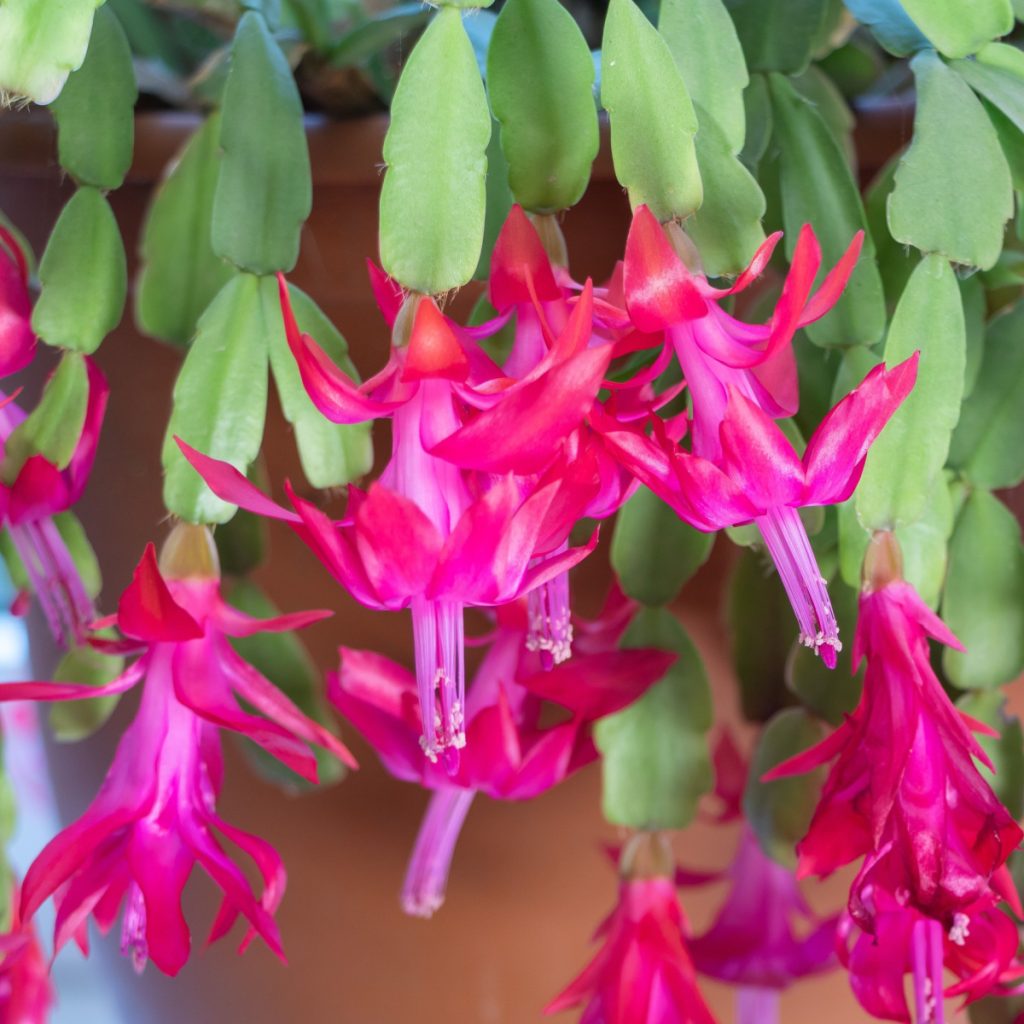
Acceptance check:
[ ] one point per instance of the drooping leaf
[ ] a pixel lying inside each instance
(180, 273)
(433, 201)
(958, 29)
(653, 122)
(986, 446)
(703, 41)
(284, 660)
(655, 764)
(780, 811)
(727, 227)
(911, 451)
(1005, 751)
(952, 191)
(220, 396)
(983, 601)
(998, 75)
(818, 189)
(778, 35)
(331, 453)
(95, 111)
(263, 191)
(828, 693)
(653, 551)
(890, 24)
(760, 633)
(73, 720)
(41, 43)
(540, 77)
(83, 275)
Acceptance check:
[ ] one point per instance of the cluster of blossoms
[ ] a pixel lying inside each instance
(493, 465)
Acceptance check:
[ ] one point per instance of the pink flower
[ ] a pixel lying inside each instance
(754, 941)
(643, 973)
(430, 534)
(26, 994)
(36, 490)
(17, 340)
(154, 817)
(759, 478)
(979, 947)
(904, 789)
(513, 751)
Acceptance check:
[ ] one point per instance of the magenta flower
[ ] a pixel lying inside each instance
(716, 351)
(433, 536)
(759, 478)
(904, 789)
(38, 491)
(643, 973)
(26, 994)
(512, 752)
(979, 948)
(754, 941)
(17, 339)
(155, 816)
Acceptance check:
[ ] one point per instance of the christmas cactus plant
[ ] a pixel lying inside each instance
(812, 366)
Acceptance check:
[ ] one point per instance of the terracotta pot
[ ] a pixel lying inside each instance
(529, 881)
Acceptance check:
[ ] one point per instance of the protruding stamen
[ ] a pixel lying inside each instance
(427, 876)
(133, 930)
(787, 543)
(440, 674)
(550, 622)
(960, 929)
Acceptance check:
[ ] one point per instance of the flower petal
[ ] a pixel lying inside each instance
(434, 350)
(660, 291)
(520, 268)
(147, 611)
(835, 454)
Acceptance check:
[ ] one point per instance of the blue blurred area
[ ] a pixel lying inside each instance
(83, 990)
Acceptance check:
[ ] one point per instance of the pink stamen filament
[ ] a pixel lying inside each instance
(787, 543)
(441, 678)
(427, 875)
(550, 621)
(927, 957)
(757, 1005)
(133, 930)
(54, 579)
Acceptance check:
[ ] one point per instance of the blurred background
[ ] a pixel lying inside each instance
(530, 882)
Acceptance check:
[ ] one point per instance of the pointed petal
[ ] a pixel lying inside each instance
(38, 491)
(520, 268)
(434, 350)
(70, 691)
(235, 623)
(593, 686)
(84, 454)
(229, 484)
(835, 454)
(332, 391)
(522, 433)
(387, 292)
(659, 289)
(756, 267)
(147, 611)
(832, 287)
(757, 455)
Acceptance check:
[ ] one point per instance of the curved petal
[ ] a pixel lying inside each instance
(832, 287)
(332, 391)
(659, 289)
(38, 491)
(147, 611)
(387, 292)
(84, 454)
(236, 623)
(520, 267)
(70, 691)
(434, 350)
(229, 484)
(757, 455)
(836, 452)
